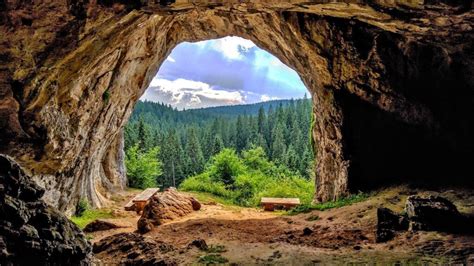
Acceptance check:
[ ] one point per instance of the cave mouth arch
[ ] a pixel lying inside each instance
(377, 91)
(250, 98)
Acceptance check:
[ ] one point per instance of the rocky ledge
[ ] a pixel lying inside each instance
(423, 213)
(30, 230)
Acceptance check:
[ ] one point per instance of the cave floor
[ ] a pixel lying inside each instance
(249, 236)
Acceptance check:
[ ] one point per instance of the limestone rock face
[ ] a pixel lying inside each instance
(31, 232)
(165, 207)
(391, 82)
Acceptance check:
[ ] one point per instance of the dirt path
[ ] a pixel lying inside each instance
(347, 234)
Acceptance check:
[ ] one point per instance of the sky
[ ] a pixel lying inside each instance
(224, 71)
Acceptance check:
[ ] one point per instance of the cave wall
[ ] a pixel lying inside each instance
(392, 84)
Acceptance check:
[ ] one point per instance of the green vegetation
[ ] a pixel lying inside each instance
(216, 249)
(212, 259)
(244, 179)
(81, 207)
(213, 256)
(143, 167)
(304, 208)
(188, 139)
(106, 96)
(91, 215)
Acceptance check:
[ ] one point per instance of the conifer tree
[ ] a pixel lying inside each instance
(278, 146)
(195, 159)
(217, 145)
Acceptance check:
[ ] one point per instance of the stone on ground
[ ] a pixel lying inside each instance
(422, 213)
(99, 225)
(164, 207)
(432, 213)
(388, 223)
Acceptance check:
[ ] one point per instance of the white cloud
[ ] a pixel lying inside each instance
(231, 47)
(266, 98)
(171, 59)
(183, 93)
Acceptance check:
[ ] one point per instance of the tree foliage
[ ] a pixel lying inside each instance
(143, 167)
(245, 179)
(190, 138)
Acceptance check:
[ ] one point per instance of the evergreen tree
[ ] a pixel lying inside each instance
(217, 145)
(172, 159)
(291, 159)
(281, 128)
(278, 146)
(241, 134)
(143, 135)
(261, 121)
(194, 157)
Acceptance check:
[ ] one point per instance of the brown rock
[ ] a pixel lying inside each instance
(99, 225)
(199, 243)
(164, 207)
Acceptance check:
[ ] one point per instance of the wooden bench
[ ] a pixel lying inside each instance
(139, 201)
(270, 204)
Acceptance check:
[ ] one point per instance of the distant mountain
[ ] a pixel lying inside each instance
(241, 109)
(154, 113)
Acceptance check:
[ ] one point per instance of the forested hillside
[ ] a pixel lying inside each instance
(184, 141)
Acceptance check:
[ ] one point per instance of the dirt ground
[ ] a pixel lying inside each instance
(250, 236)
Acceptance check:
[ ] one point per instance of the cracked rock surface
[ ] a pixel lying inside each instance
(31, 232)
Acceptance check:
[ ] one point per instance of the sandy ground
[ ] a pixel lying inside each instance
(337, 236)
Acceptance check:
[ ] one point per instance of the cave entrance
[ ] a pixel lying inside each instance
(226, 118)
(381, 115)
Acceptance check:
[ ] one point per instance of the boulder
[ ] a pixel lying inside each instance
(199, 243)
(424, 213)
(164, 207)
(99, 225)
(388, 223)
(432, 213)
(31, 232)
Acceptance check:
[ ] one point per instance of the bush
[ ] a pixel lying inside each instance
(245, 180)
(81, 207)
(203, 183)
(225, 167)
(143, 168)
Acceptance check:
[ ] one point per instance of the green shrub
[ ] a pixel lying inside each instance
(212, 259)
(244, 181)
(143, 167)
(81, 207)
(203, 183)
(225, 167)
(91, 215)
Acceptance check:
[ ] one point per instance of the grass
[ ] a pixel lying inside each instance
(205, 197)
(91, 215)
(216, 249)
(305, 208)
